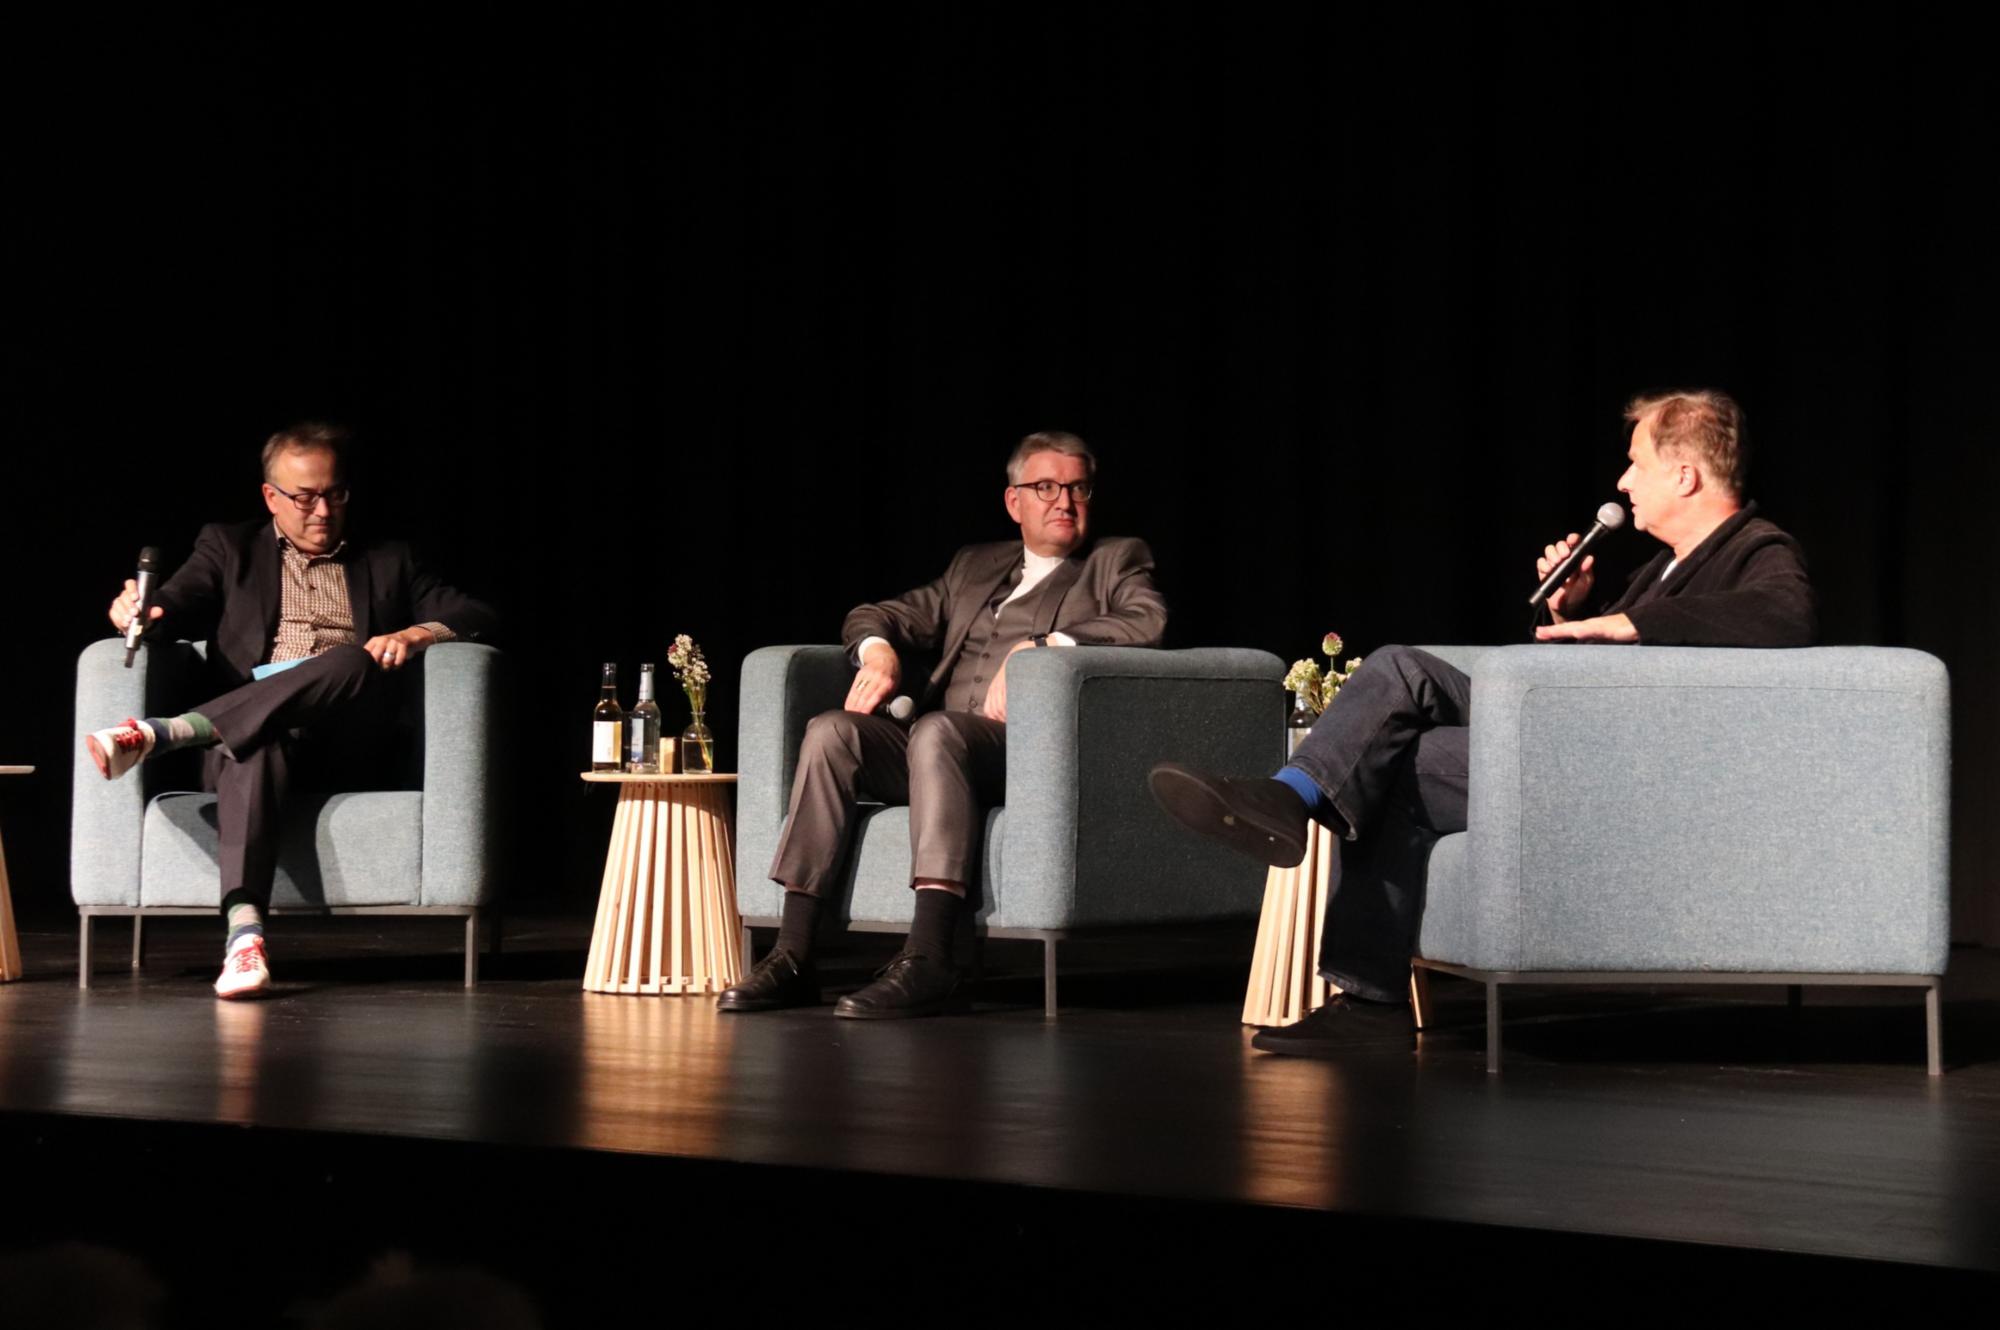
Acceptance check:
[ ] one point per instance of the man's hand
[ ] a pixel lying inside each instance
(880, 673)
(392, 651)
(996, 692)
(127, 604)
(1606, 628)
(1575, 591)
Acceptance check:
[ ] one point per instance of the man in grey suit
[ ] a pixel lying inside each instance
(1054, 588)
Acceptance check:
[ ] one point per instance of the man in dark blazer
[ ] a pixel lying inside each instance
(1056, 587)
(307, 632)
(1386, 766)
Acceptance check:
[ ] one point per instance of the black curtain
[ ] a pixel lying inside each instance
(719, 322)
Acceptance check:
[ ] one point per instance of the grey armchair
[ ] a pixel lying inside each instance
(147, 844)
(1673, 815)
(1079, 844)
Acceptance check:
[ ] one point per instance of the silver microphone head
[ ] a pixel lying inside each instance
(900, 707)
(1611, 516)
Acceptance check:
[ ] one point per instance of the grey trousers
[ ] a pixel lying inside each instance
(949, 767)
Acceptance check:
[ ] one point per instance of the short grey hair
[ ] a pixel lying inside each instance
(309, 436)
(1050, 441)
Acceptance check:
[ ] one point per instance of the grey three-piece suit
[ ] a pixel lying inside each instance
(951, 764)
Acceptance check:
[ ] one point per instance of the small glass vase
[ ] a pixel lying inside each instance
(697, 748)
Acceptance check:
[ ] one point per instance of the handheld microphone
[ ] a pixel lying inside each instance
(149, 563)
(1609, 518)
(899, 707)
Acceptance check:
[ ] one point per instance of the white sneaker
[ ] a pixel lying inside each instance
(245, 973)
(120, 748)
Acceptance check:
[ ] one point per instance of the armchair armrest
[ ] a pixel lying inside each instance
(463, 839)
(783, 688)
(1762, 810)
(106, 816)
(1084, 842)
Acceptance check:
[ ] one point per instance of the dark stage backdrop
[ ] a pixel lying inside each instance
(719, 323)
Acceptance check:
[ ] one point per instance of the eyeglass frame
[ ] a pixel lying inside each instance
(1079, 490)
(312, 497)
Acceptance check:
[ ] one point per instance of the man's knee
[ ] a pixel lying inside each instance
(830, 731)
(347, 659)
(935, 737)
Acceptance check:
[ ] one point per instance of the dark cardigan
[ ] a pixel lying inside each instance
(1744, 586)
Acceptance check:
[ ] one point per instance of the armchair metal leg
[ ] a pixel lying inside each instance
(472, 949)
(83, 951)
(138, 941)
(1420, 995)
(1934, 1028)
(1492, 1029)
(1048, 978)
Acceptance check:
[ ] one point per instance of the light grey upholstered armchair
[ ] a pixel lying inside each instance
(1079, 845)
(1670, 815)
(147, 844)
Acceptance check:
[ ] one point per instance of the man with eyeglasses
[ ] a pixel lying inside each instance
(1055, 587)
(307, 631)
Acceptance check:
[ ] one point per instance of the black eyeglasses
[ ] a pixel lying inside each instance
(305, 501)
(1047, 490)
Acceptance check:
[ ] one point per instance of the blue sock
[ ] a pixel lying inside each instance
(1318, 807)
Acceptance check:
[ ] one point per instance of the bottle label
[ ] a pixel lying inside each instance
(604, 740)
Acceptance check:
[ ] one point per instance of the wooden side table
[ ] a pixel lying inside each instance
(666, 914)
(10, 941)
(1285, 984)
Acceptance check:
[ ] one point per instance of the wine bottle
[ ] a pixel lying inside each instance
(642, 751)
(1298, 725)
(607, 725)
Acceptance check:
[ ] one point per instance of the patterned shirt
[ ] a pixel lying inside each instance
(315, 611)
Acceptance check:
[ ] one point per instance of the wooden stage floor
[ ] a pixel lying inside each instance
(526, 1125)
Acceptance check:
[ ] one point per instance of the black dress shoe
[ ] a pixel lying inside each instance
(910, 985)
(1341, 1027)
(1264, 819)
(779, 980)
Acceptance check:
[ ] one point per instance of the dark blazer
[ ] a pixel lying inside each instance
(1744, 586)
(1102, 596)
(227, 594)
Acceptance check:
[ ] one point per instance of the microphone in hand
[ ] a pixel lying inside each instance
(1609, 518)
(135, 627)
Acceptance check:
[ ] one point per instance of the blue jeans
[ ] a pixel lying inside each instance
(1390, 754)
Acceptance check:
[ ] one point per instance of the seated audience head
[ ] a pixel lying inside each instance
(1049, 482)
(305, 484)
(1688, 460)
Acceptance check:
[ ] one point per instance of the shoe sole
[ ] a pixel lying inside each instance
(1190, 801)
(721, 1005)
(946, 1007)
(242, 993)
(97, 755)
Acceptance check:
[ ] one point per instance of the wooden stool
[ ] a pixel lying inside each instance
(10, 941)
(1285, 984)
(666, 915)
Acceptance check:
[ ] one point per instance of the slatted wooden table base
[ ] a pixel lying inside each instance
(666, 914)
(1284, 969)
(10, 941)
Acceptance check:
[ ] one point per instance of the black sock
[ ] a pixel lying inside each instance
(795, 929)
(937, 919)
